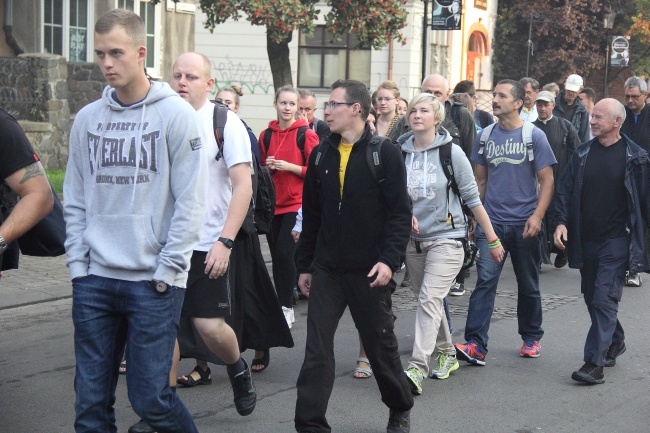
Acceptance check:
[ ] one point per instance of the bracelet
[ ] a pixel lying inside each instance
(495, 244)
(491, 242)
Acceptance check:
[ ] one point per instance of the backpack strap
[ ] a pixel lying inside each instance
(219, 118)
(444, 153)
(267, 139)
(527, 136)
(373, 158)
(485, 135)
(455, 114)
(301, 141)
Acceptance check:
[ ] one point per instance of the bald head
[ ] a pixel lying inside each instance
(197, 59)
(606, 120)
(437, 85)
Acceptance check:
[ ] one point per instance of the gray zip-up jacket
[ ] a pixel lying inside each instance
(427, 187)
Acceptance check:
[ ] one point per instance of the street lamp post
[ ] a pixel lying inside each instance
(608, 24)
(425, 21)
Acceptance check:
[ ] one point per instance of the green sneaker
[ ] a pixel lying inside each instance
(415, 378)
(446, 364)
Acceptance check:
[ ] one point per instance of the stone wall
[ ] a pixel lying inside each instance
(50, 136)
(85, 85)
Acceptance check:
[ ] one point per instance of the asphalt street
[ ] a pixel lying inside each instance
(510, 394)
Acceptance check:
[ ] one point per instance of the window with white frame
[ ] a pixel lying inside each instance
(65, 28)
(151, 17)
(322, 60)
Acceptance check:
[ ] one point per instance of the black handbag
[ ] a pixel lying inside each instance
(47, 237)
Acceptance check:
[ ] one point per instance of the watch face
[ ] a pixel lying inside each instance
(161, 286)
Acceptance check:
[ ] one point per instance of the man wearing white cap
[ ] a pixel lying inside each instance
(563, 138)
(570, 107)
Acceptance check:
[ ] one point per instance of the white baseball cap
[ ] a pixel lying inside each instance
(574, 83)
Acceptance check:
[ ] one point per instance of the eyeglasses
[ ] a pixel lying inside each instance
(332, 105)
(633, 96)
(384, 99)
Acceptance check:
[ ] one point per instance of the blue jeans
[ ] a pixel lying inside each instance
(107, 314)
(525, 255)
(603, 274)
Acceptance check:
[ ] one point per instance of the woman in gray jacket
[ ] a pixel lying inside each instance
(435, 254)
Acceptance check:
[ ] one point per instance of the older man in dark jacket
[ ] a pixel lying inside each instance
(356, 224)
(571, 108)
(603, 208)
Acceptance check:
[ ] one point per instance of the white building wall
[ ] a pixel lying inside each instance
(237, 51)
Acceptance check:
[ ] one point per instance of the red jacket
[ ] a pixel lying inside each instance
(284, 146)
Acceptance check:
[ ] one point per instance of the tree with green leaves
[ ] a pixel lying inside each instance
(374, 22)
(567, 37)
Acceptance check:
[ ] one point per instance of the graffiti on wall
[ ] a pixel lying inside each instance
(249, 76)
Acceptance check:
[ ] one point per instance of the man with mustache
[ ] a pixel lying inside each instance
(516, 210)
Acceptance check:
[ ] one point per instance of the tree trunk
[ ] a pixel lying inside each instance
(279, 59)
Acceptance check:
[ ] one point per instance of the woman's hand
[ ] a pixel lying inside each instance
(497, 253)
(414, 226)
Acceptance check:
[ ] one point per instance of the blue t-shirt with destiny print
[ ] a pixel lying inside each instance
(511, 191)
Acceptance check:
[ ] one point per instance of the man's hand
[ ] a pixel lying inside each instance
(383, 272)
(533, 226)
(216, 262)
(560, 237)
(295, 235)
(304, 283)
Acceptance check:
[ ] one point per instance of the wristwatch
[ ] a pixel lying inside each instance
(227, 242)
(160, 286)
(3, 245)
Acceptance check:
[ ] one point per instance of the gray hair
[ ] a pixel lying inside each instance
(636, 82)
(528, 80)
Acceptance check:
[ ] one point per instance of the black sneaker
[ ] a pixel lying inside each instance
(141, 427)
(457, 289)
(244, 391)
(399, 421)
(561, 259)
(589, 373)
(614, 351)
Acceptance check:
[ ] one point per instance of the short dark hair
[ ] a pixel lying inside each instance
(355, 92)
(516, 90)
(465, 86)
(131, 22)
(591, 94)
(533, 82)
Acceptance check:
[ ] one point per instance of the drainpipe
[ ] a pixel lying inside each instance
(8, 28)
(390, 60)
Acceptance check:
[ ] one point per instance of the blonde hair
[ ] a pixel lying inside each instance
(235, 90)
(436, 106)
(286, 88)
(463, 98)
(129, 21)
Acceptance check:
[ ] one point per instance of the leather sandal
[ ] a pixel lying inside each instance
(364, 373)
(262, 362)
(188, 381)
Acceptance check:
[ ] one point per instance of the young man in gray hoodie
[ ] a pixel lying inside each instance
(134, 190)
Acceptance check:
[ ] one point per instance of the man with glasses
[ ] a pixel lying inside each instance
(528, 112)
(307, 108)
(637, 128)
(344, 261)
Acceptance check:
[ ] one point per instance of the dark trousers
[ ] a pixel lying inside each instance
(371, 309)
(283, 248)
(603, 274)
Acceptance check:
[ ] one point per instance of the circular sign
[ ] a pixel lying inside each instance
(445, 3)
(620, 44)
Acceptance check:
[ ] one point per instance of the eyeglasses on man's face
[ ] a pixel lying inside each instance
(332, 104)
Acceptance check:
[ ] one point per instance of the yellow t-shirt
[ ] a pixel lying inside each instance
(344, 150)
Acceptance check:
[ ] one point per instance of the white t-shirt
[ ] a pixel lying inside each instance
(236, 150)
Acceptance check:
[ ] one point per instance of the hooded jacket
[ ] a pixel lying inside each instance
(580, 119)
(568, 197)
(638, 130)
(427, 187)
(134, 188)
(369, 223)
(284, 146)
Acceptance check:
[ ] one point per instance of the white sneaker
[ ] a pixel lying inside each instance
(289, 316)
(633, 280)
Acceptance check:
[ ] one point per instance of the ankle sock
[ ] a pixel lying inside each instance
(236, 368)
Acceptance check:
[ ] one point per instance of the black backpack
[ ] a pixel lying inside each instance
(262, 207)
(301, 140)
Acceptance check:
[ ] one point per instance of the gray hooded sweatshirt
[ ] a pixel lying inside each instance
(131, 221)
(427, 187)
